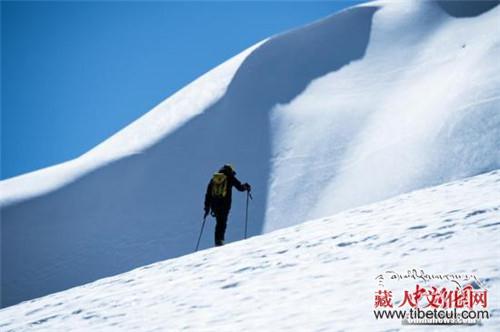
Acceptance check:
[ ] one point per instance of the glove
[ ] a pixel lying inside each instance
(247, 186)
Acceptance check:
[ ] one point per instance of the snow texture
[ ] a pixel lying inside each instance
(317, 276)
(369, 103)
(126, 203)
(421, 108)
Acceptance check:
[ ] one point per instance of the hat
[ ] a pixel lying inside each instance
(229, 168)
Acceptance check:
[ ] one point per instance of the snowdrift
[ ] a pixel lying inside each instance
(317, 276)
(369, 103)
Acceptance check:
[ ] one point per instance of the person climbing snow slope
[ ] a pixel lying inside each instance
(218, 198)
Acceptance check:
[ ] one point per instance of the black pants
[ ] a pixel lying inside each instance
(220, 227)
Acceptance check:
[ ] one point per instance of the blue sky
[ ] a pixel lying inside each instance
(74, 73)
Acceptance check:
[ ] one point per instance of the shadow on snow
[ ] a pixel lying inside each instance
(148, 207)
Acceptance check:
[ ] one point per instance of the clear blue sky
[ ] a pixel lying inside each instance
(74, 73)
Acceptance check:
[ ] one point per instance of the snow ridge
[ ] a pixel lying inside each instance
(374, 101)
(319, 275)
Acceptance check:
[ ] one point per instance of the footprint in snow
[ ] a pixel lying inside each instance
(346, 244)
(44, 320)
(247, 268)
(418, 227)
(447, 226)
(495, 224)
(446, 235)
(29, 313)
(232, 285)
(387, 242)
(371, 237)
(475, 213)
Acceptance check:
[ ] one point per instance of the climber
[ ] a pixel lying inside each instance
(218, 198)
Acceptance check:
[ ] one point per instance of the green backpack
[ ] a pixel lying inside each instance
(219, 185)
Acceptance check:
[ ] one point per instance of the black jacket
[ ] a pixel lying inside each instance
(222, 205)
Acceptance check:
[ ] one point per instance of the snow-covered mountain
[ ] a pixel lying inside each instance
(317, 276)
(374, 101)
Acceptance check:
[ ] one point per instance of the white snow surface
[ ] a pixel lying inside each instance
(422, 107)
(317, 276)
(369, 103)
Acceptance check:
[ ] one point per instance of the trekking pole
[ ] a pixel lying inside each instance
(249, 196)
(201, 232)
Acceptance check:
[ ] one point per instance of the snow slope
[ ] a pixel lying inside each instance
(420, 108)
(317, 276)
(366, 104)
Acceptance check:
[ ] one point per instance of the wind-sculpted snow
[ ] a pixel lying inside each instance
(141, 202)
(317, 276)
(115, 208)
(366, 104)
(161, 121)
(420, 108)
